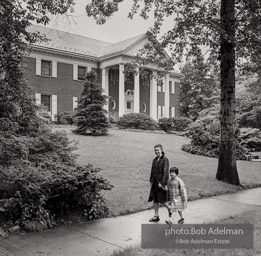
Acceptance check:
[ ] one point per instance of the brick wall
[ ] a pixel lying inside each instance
(63, 85)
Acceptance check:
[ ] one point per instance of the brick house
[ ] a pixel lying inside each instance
(56, 69)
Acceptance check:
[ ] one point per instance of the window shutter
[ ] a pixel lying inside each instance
(163, 111)
(54, 68)
(54, 107)
(38, 66)
(75, 102)
(38, 98)
(75, 72)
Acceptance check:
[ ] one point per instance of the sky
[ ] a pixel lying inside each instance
(116, 29)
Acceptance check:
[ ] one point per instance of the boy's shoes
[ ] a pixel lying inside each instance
(169, 222)
(154, 219)
(181, 221)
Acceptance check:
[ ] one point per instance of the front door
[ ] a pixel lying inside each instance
(128, 106)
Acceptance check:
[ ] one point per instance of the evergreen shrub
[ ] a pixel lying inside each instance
(40, 180)
(178, 124)
(137, 121)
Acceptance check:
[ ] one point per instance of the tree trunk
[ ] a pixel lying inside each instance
(227, 168)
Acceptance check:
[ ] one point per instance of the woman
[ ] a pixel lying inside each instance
(158, 180)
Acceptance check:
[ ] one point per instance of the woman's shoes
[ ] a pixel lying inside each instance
(169, 222)
(181, 221)
(154, 219)
(170, 213)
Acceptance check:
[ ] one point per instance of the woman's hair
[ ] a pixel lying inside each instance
(174, 169)
(159, 146)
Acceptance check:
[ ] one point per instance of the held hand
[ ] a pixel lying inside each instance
(160, 186)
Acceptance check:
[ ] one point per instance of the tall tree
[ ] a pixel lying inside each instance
(90, 114)
(230, 29)
(198, 87)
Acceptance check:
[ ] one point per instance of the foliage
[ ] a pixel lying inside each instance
(251, 118)
(66, 118)
(250, 139)
(41, 181)
(174, 124)
(90, 115)
(137, 121)
(204, 134)
(198, 89)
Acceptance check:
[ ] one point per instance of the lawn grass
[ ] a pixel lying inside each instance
(253, 217)
(125, 158)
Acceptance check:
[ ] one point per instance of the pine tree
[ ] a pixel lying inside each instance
(90, 114)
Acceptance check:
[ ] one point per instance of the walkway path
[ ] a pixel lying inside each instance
(102, 237)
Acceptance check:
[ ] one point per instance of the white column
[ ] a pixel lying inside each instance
(137, 92)
(153, 98)
(105, 86)
(166, 96)
(121, 90)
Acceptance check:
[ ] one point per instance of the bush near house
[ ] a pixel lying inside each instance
(178, 124)
(137, 121)
(66, 118)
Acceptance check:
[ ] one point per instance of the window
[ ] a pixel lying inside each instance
(113, 104)
(46, 68)
(128, 104)
(46, 101)
(81, 73)
(144, 106)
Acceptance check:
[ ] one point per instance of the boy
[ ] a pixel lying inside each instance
(177, 195)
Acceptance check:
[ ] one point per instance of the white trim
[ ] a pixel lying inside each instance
(54, 107)
(54, 68)
(75, 102)
(38, 98)
(75, 72)
(38, 66)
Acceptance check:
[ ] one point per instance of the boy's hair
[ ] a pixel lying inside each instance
(174, 169)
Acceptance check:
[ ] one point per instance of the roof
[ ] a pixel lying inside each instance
(69, 42)
(73, 43)
(121, 46)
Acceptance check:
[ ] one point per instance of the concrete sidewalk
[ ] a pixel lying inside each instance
(102, 237)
